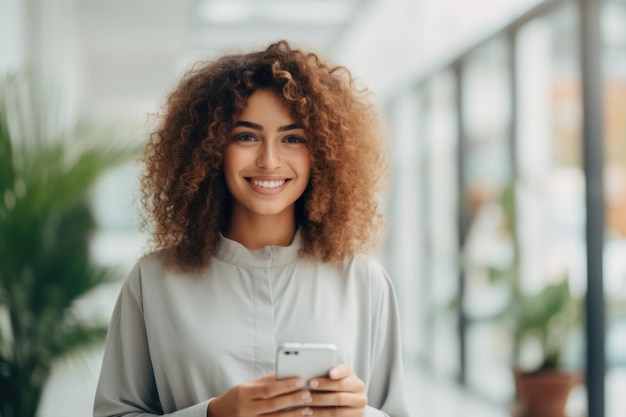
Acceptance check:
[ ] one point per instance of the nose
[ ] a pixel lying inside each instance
(270, 156)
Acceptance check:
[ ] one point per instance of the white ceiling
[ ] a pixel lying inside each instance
(131, 52)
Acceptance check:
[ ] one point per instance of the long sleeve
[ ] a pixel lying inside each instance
(127, 385)
(386, 386)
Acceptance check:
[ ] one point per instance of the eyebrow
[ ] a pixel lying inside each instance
(256, 126)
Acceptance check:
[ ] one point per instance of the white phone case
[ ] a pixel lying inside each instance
(305, 360)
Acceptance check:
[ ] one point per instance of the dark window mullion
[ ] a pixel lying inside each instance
(593, 161)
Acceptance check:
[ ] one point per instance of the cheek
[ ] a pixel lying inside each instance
(231, 160)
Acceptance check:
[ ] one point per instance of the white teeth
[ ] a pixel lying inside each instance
(268, 184)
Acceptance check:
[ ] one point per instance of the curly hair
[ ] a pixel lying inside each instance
(183, 187)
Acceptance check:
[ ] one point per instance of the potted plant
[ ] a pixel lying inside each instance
(545, 320)
(45, 226)
(547, 317)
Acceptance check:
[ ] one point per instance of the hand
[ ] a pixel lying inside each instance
(343, 393)
(267, 396)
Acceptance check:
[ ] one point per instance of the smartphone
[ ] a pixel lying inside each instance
(305, 360)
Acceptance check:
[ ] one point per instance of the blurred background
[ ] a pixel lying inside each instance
(507, 212)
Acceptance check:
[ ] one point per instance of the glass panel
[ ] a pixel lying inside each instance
(551, 195)
(488, 172)
(614, 27)
(405, 249)
(441, 234)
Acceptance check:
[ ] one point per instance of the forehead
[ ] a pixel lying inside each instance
(265, 104)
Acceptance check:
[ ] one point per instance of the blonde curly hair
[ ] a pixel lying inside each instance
(183, 188)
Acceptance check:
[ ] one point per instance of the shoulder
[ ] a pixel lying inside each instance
(369, 280)
(148, 271)
(153, 262)
(155, 267)
(148, 264)
(364, 264)
(366, 268)
(151, 280)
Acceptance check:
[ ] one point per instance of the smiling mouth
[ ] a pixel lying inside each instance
(267, 184)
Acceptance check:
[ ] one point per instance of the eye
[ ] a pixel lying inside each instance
(245, 137)
(293, 139)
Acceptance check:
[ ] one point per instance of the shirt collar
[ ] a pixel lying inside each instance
(235, 253)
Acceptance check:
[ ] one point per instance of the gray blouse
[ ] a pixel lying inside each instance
(176, 340)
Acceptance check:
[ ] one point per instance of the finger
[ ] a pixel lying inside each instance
(295, 412)
(351, 383)
(282, 402)
(336, 373)
(268, 387)
(339, 399)
(337, 412)
(339, 372)
(266, 378)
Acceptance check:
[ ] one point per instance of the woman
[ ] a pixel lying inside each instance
(262, 185)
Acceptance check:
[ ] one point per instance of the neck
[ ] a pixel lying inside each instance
(260, 231)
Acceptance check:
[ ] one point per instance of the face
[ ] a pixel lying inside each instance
(267, 163)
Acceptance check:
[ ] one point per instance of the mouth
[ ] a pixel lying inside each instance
(267, 184)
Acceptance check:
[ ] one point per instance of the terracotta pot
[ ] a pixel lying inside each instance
(543, 393)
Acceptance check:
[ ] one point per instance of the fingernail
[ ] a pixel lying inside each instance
(334, 373)
(306, 411)
(299, 383)
(314, 383)
(306, 397)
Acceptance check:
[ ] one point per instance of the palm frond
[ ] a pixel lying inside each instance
(78, 338)
(46, 223)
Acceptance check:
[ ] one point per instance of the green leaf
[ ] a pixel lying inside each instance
(46, 223)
